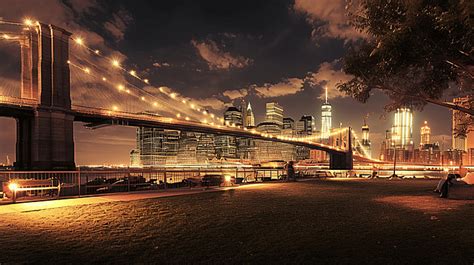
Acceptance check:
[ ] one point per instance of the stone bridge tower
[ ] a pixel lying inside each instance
(45, 139)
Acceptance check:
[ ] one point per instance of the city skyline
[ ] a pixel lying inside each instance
(222, 64)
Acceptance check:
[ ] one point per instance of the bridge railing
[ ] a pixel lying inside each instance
(18, 101)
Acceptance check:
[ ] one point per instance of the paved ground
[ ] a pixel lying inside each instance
(316, 222)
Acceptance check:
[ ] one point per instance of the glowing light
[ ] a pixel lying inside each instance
(212, 115)
(204, 112)
(178, 115)
(133, 73)
(227, 178)
(146, 81)
(115, 63)
(28, 22)
(155, 104)
(184, 101)
(87, 70)
(173, 95)
(114, 108)
(128, 91)
(187, 118)
(79, 41)
(68, 61)
(96, 51)
(121, 87)
(104, 79)
(204, 121)
(12, 186)
(143, 98)
(5, 36)
(192, 106)
(161, 89)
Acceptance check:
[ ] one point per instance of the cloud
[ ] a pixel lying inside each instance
(286, 87)
(235, 94)
(328, 76)
(118, 25)
(328, 18)
(218, 59)
(212, 103)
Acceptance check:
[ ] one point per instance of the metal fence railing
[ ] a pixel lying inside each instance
(87, 182)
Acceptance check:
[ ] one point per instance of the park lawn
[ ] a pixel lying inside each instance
(315, 222)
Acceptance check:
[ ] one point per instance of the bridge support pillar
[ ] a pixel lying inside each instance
(45, 140)
(343, 160)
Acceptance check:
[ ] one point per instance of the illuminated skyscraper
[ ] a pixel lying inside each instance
(249, 117)
(459, 139)
(233, 116)
(425, 132)
(326, 118)
(274, 113)
(365, 140)
(402, 129)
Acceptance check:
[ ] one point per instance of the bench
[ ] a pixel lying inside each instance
(14, 186)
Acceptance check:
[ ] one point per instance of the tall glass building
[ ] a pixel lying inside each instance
(402, 129)
(274, 113)
(326, 119)
(425, 133)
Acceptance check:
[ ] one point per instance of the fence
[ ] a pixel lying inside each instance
(86, 182)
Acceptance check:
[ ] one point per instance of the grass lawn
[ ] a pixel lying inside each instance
(314, 222)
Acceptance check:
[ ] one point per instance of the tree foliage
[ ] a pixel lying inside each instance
(416, 51)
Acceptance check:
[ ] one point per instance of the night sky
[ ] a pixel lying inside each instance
(220, 52)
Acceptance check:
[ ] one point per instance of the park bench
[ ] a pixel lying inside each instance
(15, 186)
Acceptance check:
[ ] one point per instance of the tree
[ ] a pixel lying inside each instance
(416, 51)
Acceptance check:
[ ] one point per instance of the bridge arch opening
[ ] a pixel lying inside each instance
(8, 134)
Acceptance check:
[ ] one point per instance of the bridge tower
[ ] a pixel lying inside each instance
(343, 161)
(45, 139)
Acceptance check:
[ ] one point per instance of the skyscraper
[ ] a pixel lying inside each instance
(459, 138)
(402, 129)
(249, 117)
(306, 125)
(425, 133)
(366, 140)
(274, 113)
(233, 115)
(157, 146)
(326, 118)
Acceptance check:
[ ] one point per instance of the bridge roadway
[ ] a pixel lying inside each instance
(98, 116)
(14, 107)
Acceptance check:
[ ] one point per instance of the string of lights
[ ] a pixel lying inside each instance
(209, 119)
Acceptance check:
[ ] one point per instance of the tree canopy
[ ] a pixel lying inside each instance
(416, 51)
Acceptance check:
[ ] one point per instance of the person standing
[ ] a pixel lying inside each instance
(290, 172)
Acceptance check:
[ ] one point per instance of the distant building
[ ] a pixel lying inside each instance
(365, 144)
(288, 128)
(249, 117)
(326, 119)
(187, 148)
(157, 147)
(399, 140)
(425, 133)
(135, 158)
(402, 129)
(206, 148)
(306, 125)
(268, 150)
(232, 116)
(274, 113)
